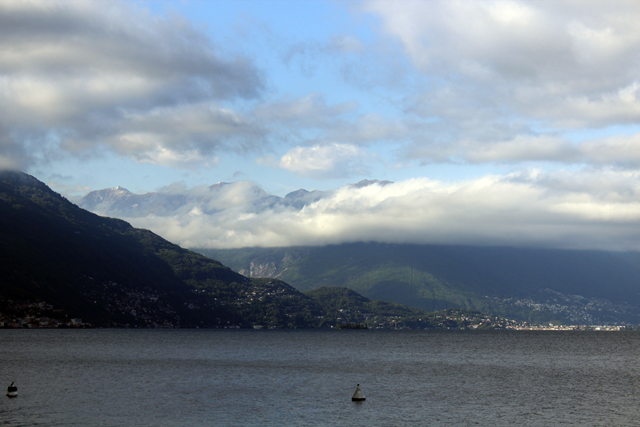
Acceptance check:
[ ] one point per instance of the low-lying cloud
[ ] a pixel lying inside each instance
(579, 210)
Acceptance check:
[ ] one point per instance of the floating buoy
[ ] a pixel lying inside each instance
(12, 391)
(358, 396)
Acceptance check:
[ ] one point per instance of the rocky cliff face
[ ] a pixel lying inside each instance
(266, 269)
(272, 267)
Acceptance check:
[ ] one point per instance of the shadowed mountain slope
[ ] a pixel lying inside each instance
(579, 287)
(101, 269)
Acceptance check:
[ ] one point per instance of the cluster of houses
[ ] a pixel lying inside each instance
(42, 322)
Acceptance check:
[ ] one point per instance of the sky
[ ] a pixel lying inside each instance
(498, 122)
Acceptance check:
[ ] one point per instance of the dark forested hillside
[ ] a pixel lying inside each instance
(65, 262)
(580, 287)
(100, 269)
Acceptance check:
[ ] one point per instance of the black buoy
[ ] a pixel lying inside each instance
(12, 391)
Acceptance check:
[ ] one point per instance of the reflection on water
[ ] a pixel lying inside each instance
(229, 378)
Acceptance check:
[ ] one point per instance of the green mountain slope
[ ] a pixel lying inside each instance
(579, 287)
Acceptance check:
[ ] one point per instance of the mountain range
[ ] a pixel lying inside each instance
(120, 202)
(527, 284)
(61, 264)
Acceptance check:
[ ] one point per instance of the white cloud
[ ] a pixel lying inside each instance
(542, 43)
(501, 70)
(331, 160)
(581, 210)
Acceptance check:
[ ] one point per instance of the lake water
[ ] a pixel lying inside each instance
(306, 378)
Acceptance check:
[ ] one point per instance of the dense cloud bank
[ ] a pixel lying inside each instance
(454, 82)
(78, 77)
(561, 210)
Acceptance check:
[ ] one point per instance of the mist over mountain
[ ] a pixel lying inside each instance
(532, 210)
(177, 199)
(252, 232)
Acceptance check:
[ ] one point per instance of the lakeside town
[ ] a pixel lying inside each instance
(576, 309)
(40, 315)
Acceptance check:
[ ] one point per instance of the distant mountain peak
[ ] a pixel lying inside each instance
(300, 198)
(107, 195)
(298, 193)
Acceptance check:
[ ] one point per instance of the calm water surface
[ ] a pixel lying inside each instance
(306, 378)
